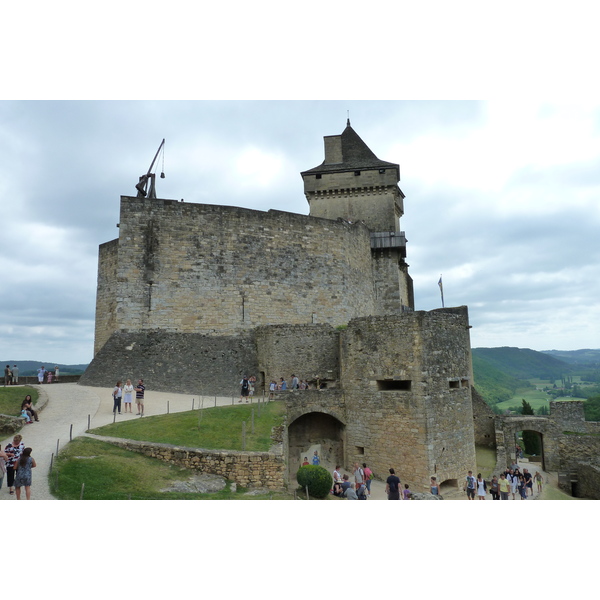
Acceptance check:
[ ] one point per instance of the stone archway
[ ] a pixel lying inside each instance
(316, 431)
(507, 428)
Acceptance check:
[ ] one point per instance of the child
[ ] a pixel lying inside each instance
(25, 415)
(434, 488)
(406, 493)
(305, 461)
(316, 459)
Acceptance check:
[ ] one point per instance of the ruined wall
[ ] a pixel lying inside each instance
(248, 469)
(219, 270)
(186, 363)
(106, 293)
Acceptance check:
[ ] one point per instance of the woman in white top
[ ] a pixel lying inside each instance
(128, 395)
(481, 487)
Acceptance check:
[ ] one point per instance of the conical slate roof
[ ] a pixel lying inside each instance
(356, 155)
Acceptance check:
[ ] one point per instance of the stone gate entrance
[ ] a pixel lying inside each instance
(316, 431)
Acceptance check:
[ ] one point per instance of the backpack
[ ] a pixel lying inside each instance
(362, 492)
(245, 384)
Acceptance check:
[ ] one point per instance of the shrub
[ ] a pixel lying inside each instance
(317, 478)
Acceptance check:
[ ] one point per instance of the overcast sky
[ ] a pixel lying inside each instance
(501, 200)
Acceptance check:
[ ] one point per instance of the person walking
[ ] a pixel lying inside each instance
(494, 489)
(481, 487)
(392, 486)
(13, 451)
(139, 397)
(117, 395)
(359, 475)
(245, 391)
(470, 485)
(503, 487)
(23, 473)
(538, 480)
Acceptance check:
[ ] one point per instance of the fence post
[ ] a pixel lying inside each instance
(57, 441)
(215, 401)
(82, 488)
(307, 493)
(192, 404)
(88, 421)
(167, 407)
(71, 433)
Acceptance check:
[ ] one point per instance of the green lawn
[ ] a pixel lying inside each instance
(12, 396)
(535, 398)
(211, 428)
(107, 472)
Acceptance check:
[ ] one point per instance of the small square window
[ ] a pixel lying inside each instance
(357, 172)
(318, 176)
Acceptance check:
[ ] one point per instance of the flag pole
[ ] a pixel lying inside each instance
(441, 290)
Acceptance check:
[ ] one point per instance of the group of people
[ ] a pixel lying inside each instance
(247, 390)
(124, 393)
(16, 463)
(11, 376)
(359, 489)
(46, 376)
(511, 481)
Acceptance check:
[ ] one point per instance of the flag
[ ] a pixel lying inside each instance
(441, 290)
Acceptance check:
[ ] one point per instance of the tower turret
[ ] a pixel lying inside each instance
(353, 184)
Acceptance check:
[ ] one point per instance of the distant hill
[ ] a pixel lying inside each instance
(523, 363)
(587, 357)
(30, 367)
(493, 384)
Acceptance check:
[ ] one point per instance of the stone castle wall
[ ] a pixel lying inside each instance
(219, 270)
(106, 293)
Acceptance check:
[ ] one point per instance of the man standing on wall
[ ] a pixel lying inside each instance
(470, 486)
(392, 486)
(139, 397)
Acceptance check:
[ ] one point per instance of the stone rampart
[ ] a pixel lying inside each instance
(247, 469)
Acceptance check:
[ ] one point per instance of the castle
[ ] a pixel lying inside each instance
(191, 297)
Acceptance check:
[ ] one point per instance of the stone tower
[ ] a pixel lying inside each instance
(354, 185)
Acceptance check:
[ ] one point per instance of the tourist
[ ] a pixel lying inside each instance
(15, 375)
(117, 395)
(139, 397)
(23, 468)
(522, 487)
(513, 479)
(528, 481)
(368, 476)
(345, 483)
(469, 486)
(359, 475)
(434, 488)
(245, 383)
(315, 459)
(25, 415)
(406, 492)
(337, 481)
(361, 491)
(538, 480)
(128, 395)
(251, 383)
(27, 404)
(40, 374)
(295, 384)
(13, 450)
(7, 375)
(481, 487)
(392, 486)
(3, 461)
(272, 388)
(48, 376)
(351, 493)
(305, 463)
(56, 372)
(494, 489)
(503, 487)
(282, 384)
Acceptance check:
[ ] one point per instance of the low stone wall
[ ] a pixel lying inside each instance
(247, 469)
(33, 380)
(10, 424)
